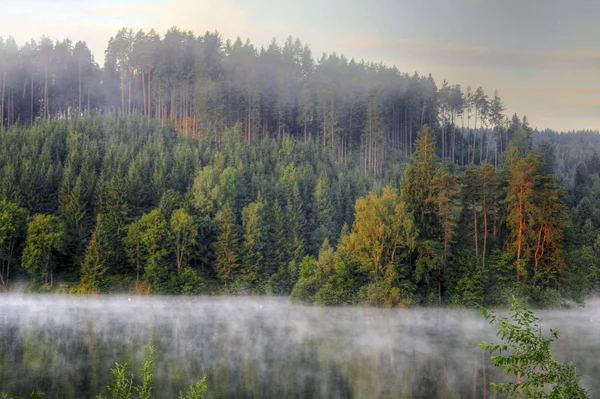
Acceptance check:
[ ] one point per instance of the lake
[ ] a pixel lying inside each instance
(255, 347)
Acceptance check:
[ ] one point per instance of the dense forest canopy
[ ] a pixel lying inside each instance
(188, 164)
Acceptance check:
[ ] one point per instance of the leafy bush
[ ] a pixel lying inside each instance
(526, 353)
(122, 387)
(187, 281)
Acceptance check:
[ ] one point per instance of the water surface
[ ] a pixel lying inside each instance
(263, 347)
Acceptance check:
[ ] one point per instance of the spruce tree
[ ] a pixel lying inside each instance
(417, 186)
(92, 268)
(253, 247)
(227, 262)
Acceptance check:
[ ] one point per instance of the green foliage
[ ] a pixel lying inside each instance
(253, 246)
(468, 279)
(232, 207)
(44, 235)
(148, 242)
(33, 395)
(13, 223)
(93, 268)
(525, 353)
(417, 185)
(581, 274)
(309, 281)
(227, 262)
(187, 281)
(196, 390)
(184, 232)
(123, 387)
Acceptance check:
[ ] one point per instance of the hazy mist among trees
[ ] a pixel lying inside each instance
(191, 164)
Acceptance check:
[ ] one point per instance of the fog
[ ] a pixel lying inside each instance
(64, 346)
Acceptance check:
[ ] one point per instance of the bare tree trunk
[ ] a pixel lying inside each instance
(520, 235)
(46, 93)
(485, 228)
(453, 136)
(475, 135)
(80, 100)
(122, 90)
(481, 147)
(149, 94)
(495, 151)
(475, 227)
(31, 99)
(144, 93)
(2, 102)
(129, 96)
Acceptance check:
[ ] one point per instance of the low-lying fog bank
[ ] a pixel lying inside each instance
(264, 347)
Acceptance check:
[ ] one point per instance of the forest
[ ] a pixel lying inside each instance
(188, 164)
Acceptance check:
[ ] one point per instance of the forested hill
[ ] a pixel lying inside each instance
(362, 110)
(105, 203)
(206, 85)
(188, 165)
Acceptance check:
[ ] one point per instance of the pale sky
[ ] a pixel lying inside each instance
(543, 56)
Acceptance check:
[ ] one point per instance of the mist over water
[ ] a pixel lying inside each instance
(253, 347)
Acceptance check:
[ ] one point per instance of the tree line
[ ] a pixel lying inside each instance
(109, 203)
(457, 237)
(100, 198)
(365, 111)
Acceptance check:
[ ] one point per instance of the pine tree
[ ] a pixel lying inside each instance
(296, 224)
(93, 269)
(446, 192)
(253, 247)
(417, 185)
(324, 211)
(44, 235)
(489, 187)
(521, 206)
(277, 242)
(227, 262)
(550, 220)
(184, 234)
(134, 248)
(13, 225)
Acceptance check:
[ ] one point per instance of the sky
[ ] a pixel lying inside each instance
(543, 56)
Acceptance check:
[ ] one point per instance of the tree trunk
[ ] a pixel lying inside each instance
(149, 94)
(485, 230)
(31, 97)
(80, 99)
(46, 92)
(144, 94)
(2, 102)
(475, 227)
(122, 89)
(129, 96)
(481, 147)
(520, 233)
